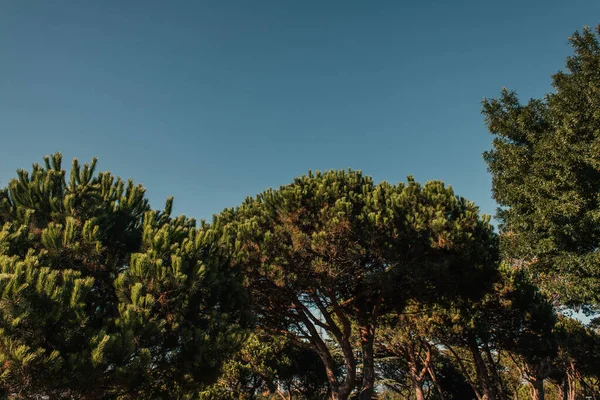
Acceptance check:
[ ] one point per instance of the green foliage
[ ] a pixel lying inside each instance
(350, 282)
(333, 249)
(579, 357)
(546, 176)
(512, 323)
(406, 350)
(102, 297)
(272, 364)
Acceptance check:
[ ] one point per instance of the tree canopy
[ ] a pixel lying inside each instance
(102, 296)
(332, 252)
(546, 176)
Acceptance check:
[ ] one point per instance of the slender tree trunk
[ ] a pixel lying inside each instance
(417, 386)
(495, 376)
(481, 370)
(283, 396)
(574, 376)
(537, 389)
(342, 336)
(571, 391)
(339, 391)
(342, 391)
(367, 335)
(463, 369)
(335, 395)
(350, 380)
(565, 388)
(433, 377)
(329, 370)
(419, 392)
(367, 326)
(562, 393)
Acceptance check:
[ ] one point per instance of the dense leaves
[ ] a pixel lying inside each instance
(333, 252)
(546, 176)
(100, 296)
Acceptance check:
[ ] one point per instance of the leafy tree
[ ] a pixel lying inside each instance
(333, 250)
(546, 176)
(102, 297)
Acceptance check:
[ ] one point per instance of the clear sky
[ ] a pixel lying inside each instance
(212, 101)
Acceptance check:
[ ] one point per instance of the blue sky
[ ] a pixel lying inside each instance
(212, 101)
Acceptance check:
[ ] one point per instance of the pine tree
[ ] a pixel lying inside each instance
(333, 252)
(102, 297)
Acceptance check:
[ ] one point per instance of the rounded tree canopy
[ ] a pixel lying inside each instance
(337, 238)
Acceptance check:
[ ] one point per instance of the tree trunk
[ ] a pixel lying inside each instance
(480, 368)
(562, 393)
(418, 387)
(346, 387)
(537, 389)
(497, 381)
(283, 396)
(339, 391)
(367, 335)
(465, 373)
(433, 377)
(419, 392)
(342, 391)
(571, 392)
(329, 371)
(342, 334)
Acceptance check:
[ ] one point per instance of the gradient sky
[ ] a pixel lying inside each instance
(212, 101)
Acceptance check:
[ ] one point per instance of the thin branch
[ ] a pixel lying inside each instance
(464, 370)
(310, 315)
(426, 363)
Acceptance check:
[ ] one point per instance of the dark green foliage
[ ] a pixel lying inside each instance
(394, 376)
(546, 176)
(102, 297)
(523, 325)
(513, 323)
(453, 383)
(333, 252)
